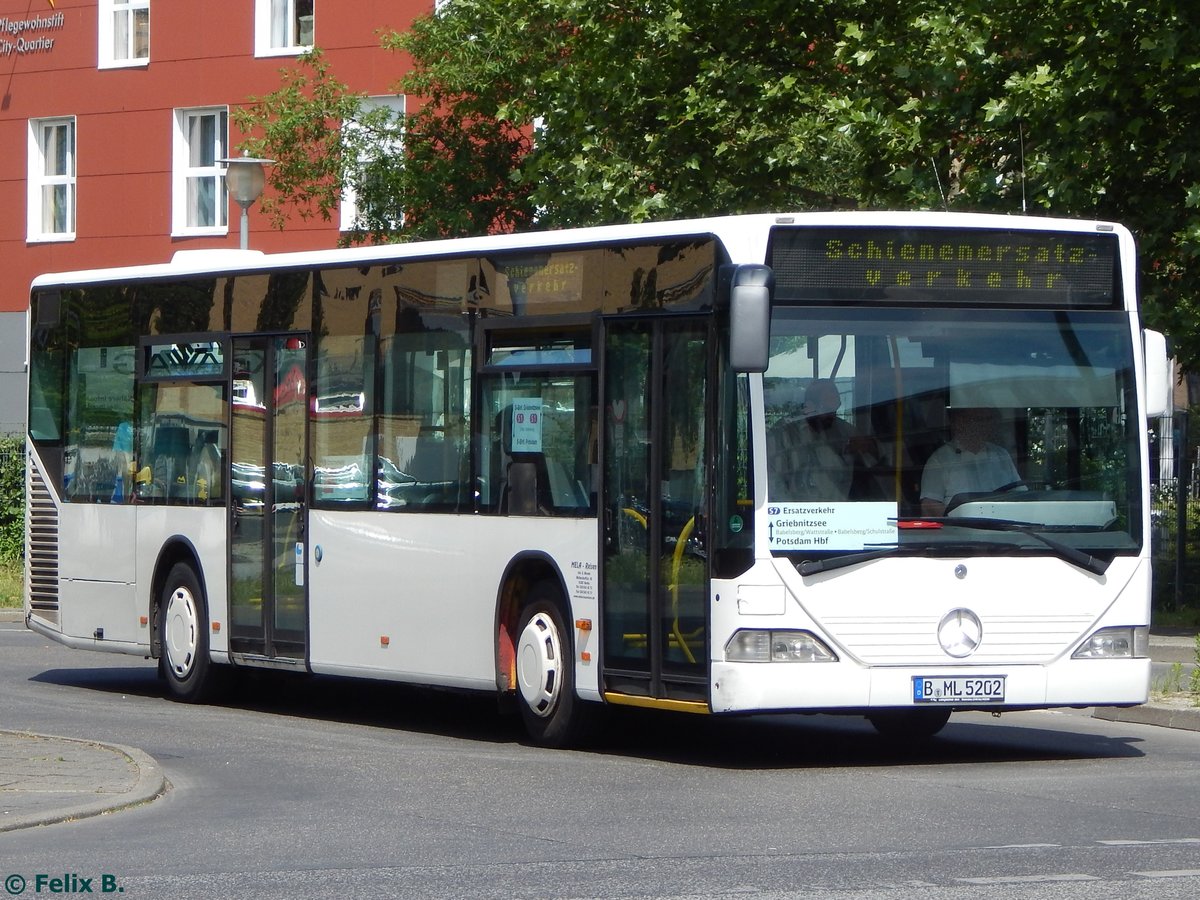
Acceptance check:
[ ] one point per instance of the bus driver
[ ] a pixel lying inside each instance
(968, 463)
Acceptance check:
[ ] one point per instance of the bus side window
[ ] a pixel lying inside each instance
(182, 438)
(540, 454)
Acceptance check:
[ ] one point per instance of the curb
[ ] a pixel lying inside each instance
(1174, 652)
(12, 615)
(149, 784)
(1165, 714)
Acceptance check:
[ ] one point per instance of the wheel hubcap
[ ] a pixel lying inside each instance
(180, 634)
(539, 658)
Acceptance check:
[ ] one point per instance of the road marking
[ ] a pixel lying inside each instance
(1022, 847)
(1028, 879)
(1128, 843)
(1170, 873)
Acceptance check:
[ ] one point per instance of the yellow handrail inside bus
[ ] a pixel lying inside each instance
(676, 562)
(677, 634)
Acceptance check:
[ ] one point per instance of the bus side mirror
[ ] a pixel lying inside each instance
(1158, 375)
(750, 289)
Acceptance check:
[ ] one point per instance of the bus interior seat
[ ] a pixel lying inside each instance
(170, 459)
(434, 460)
(525, 483)
(205, 463)
(521, 488)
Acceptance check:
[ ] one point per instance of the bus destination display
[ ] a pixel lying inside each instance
(975, 267)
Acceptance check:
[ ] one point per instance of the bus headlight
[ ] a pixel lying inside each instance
(1123, 642)
(752, 645)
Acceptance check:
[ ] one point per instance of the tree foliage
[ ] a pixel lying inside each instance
(299, 127)
(545, 113)
(12, 499)
(1081, 108)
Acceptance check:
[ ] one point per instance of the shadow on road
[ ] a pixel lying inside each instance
(784, 741)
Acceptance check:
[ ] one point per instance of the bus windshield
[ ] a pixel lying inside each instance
(951, 430)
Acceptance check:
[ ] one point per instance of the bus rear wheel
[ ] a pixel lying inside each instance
(552, 714)
(183, 636)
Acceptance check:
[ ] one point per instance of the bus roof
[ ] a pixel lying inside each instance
(743, 237)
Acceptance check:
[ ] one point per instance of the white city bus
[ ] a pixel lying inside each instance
(579, 468)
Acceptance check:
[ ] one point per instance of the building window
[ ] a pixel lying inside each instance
(200, 202)
(52, 179)
(124, 30)
(283, 27)
(374, 140)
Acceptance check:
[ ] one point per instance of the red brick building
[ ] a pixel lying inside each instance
(113, 114)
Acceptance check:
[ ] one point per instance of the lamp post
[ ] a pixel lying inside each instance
(245, 179)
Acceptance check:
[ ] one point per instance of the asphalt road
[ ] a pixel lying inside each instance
(330, 788)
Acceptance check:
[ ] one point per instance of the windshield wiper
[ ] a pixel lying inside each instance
(813, 566)
(1071, 554)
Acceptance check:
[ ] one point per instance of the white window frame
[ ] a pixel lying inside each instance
(348, 212)
(118, 23)
(278, 29)
(187, 174)
(40, 230)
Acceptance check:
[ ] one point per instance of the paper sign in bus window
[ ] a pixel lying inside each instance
(831, 526)
(527, 425)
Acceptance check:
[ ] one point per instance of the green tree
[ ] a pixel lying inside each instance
(550, 113)
(12, 499)
(540, 113)
(648, 109)
(301, 126)
(443, 169)
(1081, 108)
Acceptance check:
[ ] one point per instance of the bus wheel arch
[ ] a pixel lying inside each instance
(180, 624)
(522, 574)
(535, 651)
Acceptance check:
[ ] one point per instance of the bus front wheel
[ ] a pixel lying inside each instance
(183, 636)
(551, 712)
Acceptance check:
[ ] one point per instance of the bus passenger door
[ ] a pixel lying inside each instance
(654, 606)
(268, 512)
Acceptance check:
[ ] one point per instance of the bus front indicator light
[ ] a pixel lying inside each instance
(749, 646)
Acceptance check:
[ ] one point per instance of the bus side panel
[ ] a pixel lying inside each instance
(204, 531)
(102, 540)
(413, 596)
(102, 611)
(97, 594)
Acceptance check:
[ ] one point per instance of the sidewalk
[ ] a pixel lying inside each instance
(44, 779)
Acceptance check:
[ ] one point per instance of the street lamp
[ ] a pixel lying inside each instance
(245, 179)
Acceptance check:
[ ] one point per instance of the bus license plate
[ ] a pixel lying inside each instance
(958, 689)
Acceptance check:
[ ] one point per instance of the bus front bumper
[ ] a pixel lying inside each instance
(817, 687)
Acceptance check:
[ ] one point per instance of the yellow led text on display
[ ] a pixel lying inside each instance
(959, 264)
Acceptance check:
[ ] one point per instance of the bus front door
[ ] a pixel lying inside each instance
(655, 599)
(268, 600)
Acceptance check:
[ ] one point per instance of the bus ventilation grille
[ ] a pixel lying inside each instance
(41, 541)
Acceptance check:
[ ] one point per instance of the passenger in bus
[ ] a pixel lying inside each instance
(123, 463)
(968, 463)
(812, 458)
